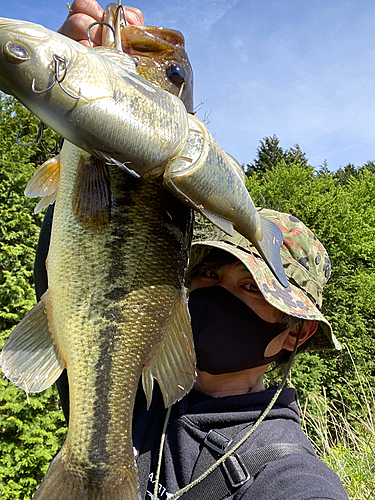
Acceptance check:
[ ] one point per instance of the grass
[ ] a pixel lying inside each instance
(344, 441)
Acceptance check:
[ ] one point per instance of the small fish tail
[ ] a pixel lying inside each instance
(59, 484)
(269, 248)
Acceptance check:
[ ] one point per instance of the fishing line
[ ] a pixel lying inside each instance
(181, 90)
(245, 437)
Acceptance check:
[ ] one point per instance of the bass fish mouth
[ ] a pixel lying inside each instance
(160, 55)
(162, 59)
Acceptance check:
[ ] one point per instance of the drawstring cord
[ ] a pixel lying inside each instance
(161, 452)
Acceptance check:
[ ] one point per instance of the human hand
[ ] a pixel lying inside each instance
(85, 12)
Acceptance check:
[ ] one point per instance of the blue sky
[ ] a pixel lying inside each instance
(303, 70)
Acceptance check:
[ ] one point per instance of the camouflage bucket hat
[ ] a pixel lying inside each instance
(306, 264)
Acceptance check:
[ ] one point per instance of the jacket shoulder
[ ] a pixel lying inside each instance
(294, 477)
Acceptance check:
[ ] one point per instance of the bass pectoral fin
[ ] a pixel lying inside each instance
(173, 365)
(30, 358)
(44, 202)
(44, 183)
(269, 248)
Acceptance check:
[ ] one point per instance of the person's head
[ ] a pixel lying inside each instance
(280, 313)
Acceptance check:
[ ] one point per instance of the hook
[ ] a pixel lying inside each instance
(118, 25)
(54, 150)
(101, 23)
(121, 8)
(263, 201)
(60, 65)
(38, 137)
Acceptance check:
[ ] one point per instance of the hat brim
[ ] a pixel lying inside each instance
(291, 300)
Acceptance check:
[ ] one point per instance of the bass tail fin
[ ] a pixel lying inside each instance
(61, 484)
(269, 248)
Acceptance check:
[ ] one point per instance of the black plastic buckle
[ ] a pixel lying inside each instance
(216, 441)
(236, 470)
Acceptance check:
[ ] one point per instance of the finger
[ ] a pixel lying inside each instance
(75, 27)
(134, 16)
(89, 7)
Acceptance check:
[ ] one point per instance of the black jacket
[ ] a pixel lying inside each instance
(294, 477)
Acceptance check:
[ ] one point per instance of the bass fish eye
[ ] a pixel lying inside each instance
(176, 74)
(16, 53)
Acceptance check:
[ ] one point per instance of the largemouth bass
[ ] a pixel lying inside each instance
(96, 100)
(115, 310)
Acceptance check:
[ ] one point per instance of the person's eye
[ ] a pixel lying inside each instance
(251, 287)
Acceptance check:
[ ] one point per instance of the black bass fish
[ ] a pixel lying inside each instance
(115, 311)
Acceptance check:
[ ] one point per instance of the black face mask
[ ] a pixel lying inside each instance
(228, 335)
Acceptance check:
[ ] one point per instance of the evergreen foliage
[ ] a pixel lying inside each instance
(342, 215)
(270, 154)
(30, 434)
(344, 174)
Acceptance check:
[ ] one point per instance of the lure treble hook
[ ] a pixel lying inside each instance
(38, 139)
(60, 66)
(99, 23)
(118, 25)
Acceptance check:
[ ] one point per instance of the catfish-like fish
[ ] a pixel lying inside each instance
(115, 310)
(96, 100)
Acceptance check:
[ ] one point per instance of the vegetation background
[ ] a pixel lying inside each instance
(336, 389)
